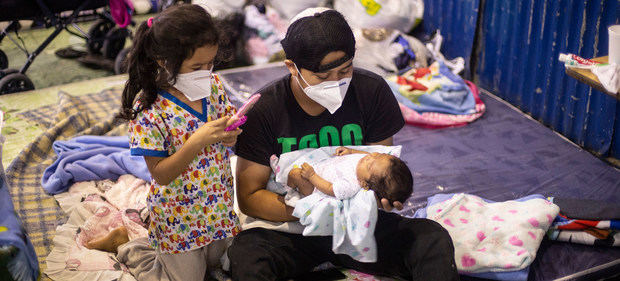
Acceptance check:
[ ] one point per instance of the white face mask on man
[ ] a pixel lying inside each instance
(194, 85)
(328, 94)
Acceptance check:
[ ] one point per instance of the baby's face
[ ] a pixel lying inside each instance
(374, 164)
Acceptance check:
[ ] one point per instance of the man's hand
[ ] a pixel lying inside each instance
(307, 171)
(385, 204)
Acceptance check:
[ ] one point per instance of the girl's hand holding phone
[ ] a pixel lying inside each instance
(215, 131)
(230, 141)
(225, 129)
(240, 115)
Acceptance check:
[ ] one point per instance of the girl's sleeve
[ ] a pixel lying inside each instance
(148, 135)
(222, 97)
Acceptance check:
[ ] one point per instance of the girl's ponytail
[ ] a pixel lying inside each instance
(142, 70)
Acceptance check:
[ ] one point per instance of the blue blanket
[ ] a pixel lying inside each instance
(455, 98)
(88, 158)
(24, 265)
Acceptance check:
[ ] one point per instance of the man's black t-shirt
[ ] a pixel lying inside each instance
(277, 124)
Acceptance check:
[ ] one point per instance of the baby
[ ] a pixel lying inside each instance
(343, 176)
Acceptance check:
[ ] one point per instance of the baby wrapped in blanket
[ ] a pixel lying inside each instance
(341, 188)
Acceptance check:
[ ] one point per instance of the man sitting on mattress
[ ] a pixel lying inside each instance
(324, 102)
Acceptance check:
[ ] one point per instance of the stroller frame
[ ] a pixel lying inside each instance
(18, 80)
(59, 22)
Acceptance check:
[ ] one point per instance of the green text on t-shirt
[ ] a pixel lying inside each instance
(351, 134)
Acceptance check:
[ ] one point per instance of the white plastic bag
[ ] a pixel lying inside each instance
(456, 65)
(289, 8)
(218, 8)
(377, 55)
(402, 15)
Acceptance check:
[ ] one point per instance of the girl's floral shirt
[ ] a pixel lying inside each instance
(196, 207)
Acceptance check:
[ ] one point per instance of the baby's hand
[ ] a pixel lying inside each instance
(307, 171)
(342, 151)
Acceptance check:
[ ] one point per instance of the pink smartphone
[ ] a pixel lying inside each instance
(242, 111)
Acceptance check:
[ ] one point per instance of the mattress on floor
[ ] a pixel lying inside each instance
(502, 156)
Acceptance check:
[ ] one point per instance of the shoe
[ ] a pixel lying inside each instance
(69, 53)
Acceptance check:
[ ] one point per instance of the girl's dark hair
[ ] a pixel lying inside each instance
(396, 184)
(172, 38)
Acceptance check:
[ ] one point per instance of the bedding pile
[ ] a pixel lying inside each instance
(70, 117)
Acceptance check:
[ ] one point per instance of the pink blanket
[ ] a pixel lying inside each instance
(95, 208)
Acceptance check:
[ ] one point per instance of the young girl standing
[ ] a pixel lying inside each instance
(178, 112)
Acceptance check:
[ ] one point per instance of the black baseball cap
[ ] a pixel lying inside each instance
(314, 33)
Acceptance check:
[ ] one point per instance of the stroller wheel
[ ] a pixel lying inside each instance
(15, 82)
(97, 34)
(120, 63)
(7, 71)
(114, 42)
(4, 60)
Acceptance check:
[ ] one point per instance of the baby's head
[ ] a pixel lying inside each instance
(387, 175)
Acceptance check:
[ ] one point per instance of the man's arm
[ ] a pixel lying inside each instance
(254, 200)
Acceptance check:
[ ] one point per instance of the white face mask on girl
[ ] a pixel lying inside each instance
(328, 94)
(194, 85)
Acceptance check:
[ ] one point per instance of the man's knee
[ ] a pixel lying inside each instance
(432, 230)
(441, 235)
(432, 251)
(250, 257)
(425, 236)
(252, 238)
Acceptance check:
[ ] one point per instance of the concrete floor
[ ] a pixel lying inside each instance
(48, 69)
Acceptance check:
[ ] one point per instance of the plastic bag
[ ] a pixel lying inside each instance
(219, 8)
(289, 8)
(378, 52)
(263, 33)
(402, 15)
(456, 65)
